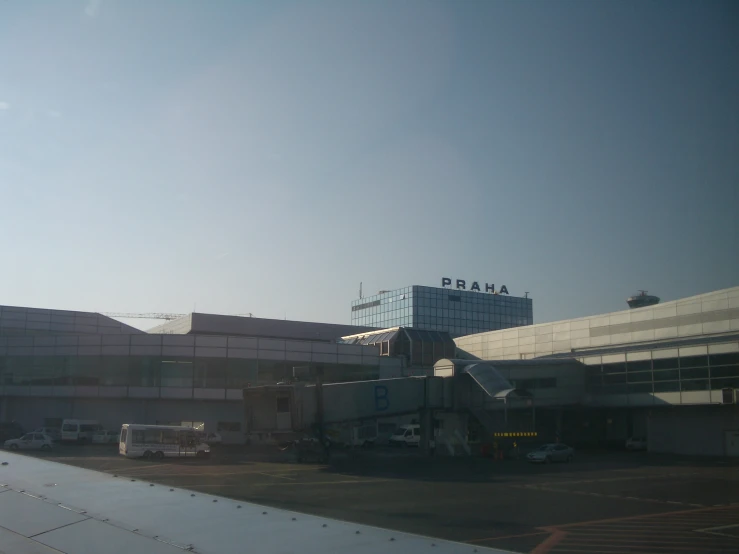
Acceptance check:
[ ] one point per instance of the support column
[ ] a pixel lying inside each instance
(427, 430)
(319, 409)
(426, 421)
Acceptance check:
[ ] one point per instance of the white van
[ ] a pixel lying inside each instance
(79, 430)
(406, 435)
(409, 435)
(158, 441)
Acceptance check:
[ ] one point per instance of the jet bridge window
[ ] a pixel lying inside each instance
(385, 348)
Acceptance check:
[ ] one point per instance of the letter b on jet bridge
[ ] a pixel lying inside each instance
(381, 400)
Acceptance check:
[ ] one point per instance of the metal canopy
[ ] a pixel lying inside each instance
(513, 393)
(489, 379)
(417, 335)
(427, 336)
(372, 338)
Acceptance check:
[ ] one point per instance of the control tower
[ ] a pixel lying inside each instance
(642, 300)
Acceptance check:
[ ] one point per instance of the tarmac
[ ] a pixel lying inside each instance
(603, 502)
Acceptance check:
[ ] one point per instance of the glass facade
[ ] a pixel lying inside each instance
(165, 372)
(682, 373)
(458, 312)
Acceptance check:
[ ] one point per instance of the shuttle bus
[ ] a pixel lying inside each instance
(158, 441)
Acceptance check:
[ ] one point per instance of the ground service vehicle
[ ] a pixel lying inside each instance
(158, 441)
(406, 435)
(79, 430)
(30, 441)
(636, 443)
(551, 453)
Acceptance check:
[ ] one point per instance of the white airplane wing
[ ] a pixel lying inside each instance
(47, 507)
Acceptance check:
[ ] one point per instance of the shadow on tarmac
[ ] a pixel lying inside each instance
(414, 466)
(409, 464)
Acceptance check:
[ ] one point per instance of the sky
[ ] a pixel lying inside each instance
(266, 157)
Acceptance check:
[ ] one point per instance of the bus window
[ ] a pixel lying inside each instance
(152, 436)
(187, 439)
(124, 434)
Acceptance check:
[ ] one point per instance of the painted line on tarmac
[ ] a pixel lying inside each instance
(135, 469)
(637, 517)
(600, 495)
(276, 475)
(666, 548)
(309, 483)
(600, 531)
(546, 546)
(203, 486)
(634, 527)
(617, 539)
(306, 483)
(629, 527)
(675, 524)
(201, 474)
(628, 550)
(487, 539)
(591, 551)
(613, 479)
(715, 530)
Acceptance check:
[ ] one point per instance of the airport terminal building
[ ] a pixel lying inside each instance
(61, 364)
(668, 372)
(461, 309)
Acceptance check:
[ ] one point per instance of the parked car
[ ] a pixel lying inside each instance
(10, 430)
(105, 437)
(548, 453)
(54, 434)
(636, 443)
(30, 441)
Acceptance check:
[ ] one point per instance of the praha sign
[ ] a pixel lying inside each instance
(462, 285)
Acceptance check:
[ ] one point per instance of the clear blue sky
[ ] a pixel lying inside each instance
(266, 157)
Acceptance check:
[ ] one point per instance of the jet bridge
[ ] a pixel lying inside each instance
(299, 408)
(460, 389)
